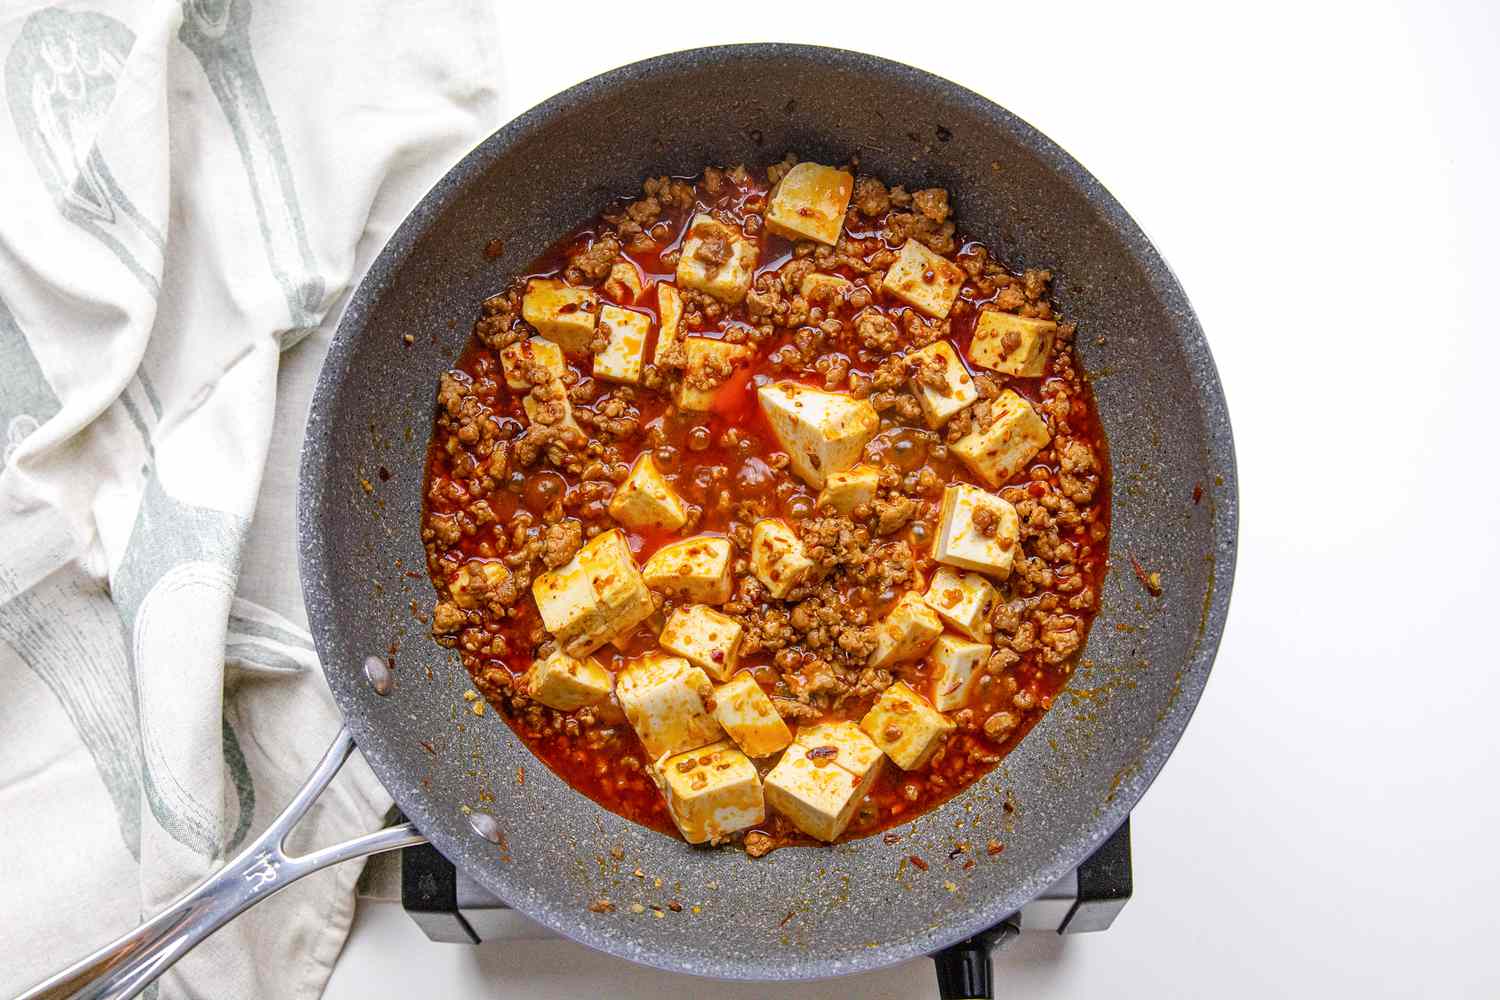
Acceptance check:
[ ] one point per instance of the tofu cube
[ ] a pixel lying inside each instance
(905, 726)
(924, 279)
(623, 356)
(825, 289)
(960, 543)
(563, 314)
(694, 569)
(955, 665)
(963, 601)
(597, 596)
(475, 579)
(623, 283)
(818, 791)
(905, 632)
(645, 500)
(705, 638)
(565, 599)
(748, 716)
(844, 491)
(777, 556)
(716, 259)
(997, 452)
(666, 701)
(809, 203)
(841, 743)
(1015, 345)
(522, 358)
(822, 432)
(707, 357)
(566, 683)
(711, 792)
(669, 311)
(958, 390)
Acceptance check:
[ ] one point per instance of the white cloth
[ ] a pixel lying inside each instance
(187, 193)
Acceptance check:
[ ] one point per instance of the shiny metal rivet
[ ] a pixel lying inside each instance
(378, 673)
(484, 824)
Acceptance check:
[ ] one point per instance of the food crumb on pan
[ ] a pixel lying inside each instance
(1151, 581)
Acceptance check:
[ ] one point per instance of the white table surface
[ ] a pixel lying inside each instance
(1324, 181)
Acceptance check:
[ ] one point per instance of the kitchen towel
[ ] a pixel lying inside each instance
(188, 192)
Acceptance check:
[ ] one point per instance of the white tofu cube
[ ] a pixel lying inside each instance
(905, 632)
(646, 501)
(1002, 449)
(1015, 345)
(716, 259)
(777, 556)
(844, 491)
(822, 432)
(566, 683)
(816, 791)
(963, 601)
(825, 289)
(598, 596)
(905, 726)
(842, 743)
(569, 608)
(669, 311)
(955, 664)
(958, 390)
(749, 717)
(924, 279)
(524, 357)
(711, 792)
(624, 283)
(475, 579)
(694, 569)
(563, 314)
(622, 359)
(705, 638)
(666, 701)
(809, 203)
(707, 358)
(961, 543)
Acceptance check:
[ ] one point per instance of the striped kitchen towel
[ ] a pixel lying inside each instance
(190, 190)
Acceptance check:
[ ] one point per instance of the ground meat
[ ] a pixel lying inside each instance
(932, 203)
(1077, 471)
(893, 513)
(998, 726)
(447, 618)
(875, 331)
(561, 543)
(592, 265)
(713, 249)
(871, 198)
(758, 844)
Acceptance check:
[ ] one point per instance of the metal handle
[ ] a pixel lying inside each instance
(124, 967)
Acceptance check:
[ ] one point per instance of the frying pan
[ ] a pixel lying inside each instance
(550, 852)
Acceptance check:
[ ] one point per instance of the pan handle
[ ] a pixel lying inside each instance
(124, 967)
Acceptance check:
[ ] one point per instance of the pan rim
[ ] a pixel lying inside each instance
(1193, 674)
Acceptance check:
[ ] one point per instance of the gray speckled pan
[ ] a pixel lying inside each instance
(799, 913)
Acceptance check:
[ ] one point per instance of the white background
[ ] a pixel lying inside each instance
(1324, 181)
